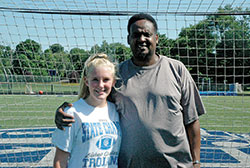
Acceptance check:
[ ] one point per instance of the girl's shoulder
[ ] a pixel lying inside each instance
(112, 105)
(77, 104)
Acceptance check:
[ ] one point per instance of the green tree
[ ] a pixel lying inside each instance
(6, 55)
(27, 58)
(194, 45)
(78, 57)
(216, 47)
(120, 52)
(58, 59)
(232, 50)
(56, 48)
(49, 60)
(96, 49)
(117, 51)
(165, 45)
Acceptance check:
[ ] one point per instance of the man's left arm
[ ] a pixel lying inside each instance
(194, 138)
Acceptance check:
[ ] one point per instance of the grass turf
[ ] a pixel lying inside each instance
(225, 113)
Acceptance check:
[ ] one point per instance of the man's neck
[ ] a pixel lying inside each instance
(149, 62)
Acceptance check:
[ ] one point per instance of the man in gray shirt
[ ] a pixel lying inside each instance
(158, 102)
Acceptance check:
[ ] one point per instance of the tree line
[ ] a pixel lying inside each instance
(216, 48)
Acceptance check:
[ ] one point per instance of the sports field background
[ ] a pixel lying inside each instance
(27, 124)
(225, 113)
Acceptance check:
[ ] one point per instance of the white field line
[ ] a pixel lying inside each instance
(26, 140)
(30, 101)
(226, 107)
(20, 103)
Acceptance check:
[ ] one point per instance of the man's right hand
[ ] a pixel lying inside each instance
(62, 118)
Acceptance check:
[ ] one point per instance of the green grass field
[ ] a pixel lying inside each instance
(22, 111)
(225, 113)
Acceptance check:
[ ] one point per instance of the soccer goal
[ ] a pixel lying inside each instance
(44, 44)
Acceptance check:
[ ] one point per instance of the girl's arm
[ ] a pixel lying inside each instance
(61, 158)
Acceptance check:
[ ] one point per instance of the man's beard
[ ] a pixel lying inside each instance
(143, 57)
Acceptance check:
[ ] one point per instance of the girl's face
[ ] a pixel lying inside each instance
(100, 82)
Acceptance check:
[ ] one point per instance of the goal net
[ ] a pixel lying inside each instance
(44, 44)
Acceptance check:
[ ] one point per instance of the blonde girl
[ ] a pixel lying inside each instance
(94, 139)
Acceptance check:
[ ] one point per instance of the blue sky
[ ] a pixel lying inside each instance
(83, 31)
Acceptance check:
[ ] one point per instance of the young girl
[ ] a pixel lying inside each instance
(94, 139)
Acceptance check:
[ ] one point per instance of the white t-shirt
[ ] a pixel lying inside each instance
(95, 137)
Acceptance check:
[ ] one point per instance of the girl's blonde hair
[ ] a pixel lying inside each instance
(92, 62)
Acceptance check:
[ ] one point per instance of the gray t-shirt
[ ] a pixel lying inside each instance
(155, 102)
